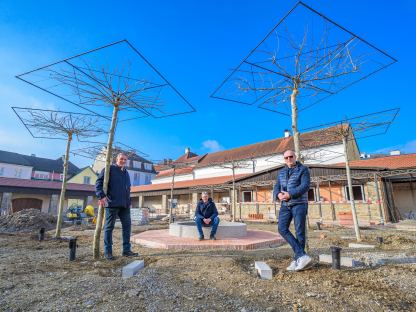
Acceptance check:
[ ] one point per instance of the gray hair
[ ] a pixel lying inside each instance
(121, 154)
(205, 193)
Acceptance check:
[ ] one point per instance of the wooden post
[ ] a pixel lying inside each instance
(234, 197)
(318, 195)
(295, 131)
(331, 202)
(368, 205)
(63, 187)
(171, 195)
(380, 209)
(349, 179)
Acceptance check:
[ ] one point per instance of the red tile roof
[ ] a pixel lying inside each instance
(311, 139)
(179, 171)
(185, 184)
(388, 162)
(187, 157)
(39, 184)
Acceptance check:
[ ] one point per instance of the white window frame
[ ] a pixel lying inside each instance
(88, 178)
(314, 194)
(242, 196)
(137, 164)
(1, 171)
(148, 166)
(362, 192)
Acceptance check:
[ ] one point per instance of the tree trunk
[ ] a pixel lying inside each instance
(295, 131)
(63, 188)
(171, 196)
(349, 179)
(108, 159)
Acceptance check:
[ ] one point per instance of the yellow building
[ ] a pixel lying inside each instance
(85, 176)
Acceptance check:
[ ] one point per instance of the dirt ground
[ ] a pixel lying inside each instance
(37, 276)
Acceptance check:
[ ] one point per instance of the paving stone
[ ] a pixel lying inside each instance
(345, 261)
(132, 268)
(264, 270)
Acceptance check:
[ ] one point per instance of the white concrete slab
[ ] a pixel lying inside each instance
(264, 270)
(132, 268)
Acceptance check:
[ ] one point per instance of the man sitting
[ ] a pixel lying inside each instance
(206, 214)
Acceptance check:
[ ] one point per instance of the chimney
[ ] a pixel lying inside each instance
(395, 153)
(286, 133)
(187, 150)
(33, 155)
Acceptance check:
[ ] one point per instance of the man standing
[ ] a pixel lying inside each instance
(206, 214)
(291, 189)
(117, 203)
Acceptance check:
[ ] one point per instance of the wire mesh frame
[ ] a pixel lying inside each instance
(80, 70)
(244, 61)
(16, 110)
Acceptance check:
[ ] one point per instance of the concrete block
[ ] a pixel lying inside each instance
(355, 245)
(132, 268)
(264, 270)
(345, 261)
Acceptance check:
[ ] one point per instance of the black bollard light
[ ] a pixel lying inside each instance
(72, 248)
(336, 257)
(318, 225)
(379, 240)
(41, 234)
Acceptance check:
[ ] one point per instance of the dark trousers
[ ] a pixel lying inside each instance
(214, 226)
(111, 215)
(298, 214)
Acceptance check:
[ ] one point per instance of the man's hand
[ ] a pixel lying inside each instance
(207, 221)
(286, 196)
(103, 201)
(281, 196)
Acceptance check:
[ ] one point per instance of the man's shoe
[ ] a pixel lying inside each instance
(109, 256)
(303, 262)
(200, 238)
(130, 254)
(292, 266)
(212, 237)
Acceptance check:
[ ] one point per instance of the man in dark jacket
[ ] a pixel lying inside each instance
(291, 189)
(206, 214)
(117, 203)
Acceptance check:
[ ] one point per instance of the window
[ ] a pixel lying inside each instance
(247, 197)
(147, 179)
(148, 166)
(137, 164)
(61, 177)
(311, 195)
(136, 177)
(357, 191)
(87, 180)
(1, 171)
(18, 173)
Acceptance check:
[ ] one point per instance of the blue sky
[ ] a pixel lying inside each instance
(194, 44)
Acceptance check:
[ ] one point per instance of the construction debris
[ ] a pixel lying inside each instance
(27, 220)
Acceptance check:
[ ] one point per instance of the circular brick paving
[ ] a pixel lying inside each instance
(161, 239)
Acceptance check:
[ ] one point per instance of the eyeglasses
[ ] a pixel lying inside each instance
(288, 157)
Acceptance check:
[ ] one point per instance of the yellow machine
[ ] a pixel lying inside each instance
(77, 214)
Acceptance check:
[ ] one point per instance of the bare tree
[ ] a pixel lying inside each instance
(60, 125)
(107, 81)
(350, 129)
(305, 59)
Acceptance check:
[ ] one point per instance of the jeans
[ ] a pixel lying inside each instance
(214, 225)
(298, 214)
(110, 219)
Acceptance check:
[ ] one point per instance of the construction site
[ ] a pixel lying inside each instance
(176, 206)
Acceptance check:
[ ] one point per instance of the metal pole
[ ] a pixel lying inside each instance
(380, 209)
(318, 195)
(349, 179)
(233, 198)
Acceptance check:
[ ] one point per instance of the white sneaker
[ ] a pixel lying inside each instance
(303, 262)
(292, 266)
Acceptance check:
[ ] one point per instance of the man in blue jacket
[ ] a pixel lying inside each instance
(206, 214)
(117, 203)
(291, 189)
